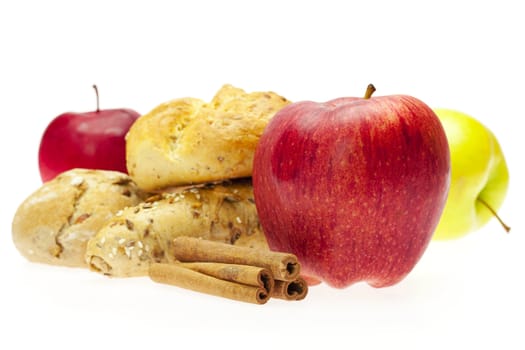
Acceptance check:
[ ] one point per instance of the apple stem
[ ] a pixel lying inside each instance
(370, 89)
(505, 226)
(96, 93)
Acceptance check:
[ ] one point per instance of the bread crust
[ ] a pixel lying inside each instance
(140, 235)
(188, 141)
(54, 224)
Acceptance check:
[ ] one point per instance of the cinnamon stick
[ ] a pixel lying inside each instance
(177, 275)
(290, 290)
(245, 274)
(283, 266)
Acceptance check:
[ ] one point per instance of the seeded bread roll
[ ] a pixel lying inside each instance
(54, 223)
(138, 236)
(187, 141)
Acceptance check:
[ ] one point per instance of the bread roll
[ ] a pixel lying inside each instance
(139, 235)
(54, 223)
(188, 141)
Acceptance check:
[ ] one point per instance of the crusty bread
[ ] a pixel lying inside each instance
(139, 235)
(188, 141)
(54, 223)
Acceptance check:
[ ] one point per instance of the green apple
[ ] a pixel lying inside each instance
(479, 176)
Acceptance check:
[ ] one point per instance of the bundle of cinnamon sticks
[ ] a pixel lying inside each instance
(239, 273)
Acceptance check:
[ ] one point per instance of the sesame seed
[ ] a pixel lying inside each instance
(77, 181)
(238, 219)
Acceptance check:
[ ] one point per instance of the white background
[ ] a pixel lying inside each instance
(457, 54)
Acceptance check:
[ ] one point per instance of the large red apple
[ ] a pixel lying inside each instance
(354, 186)
(92, 140)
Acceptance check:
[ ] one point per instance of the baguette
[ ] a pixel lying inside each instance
(54, 224)
(141, 235)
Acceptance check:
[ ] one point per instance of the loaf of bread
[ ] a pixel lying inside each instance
(188, 141)
(54, 224)
(137, 236)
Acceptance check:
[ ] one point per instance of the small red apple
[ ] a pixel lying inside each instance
(91, 140)
(354, 187)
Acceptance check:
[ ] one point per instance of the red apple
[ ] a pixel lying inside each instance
(91, 140)
(354, 186)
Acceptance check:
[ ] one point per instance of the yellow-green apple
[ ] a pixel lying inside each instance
(479, 178)
(94, 140)
(353, 186)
